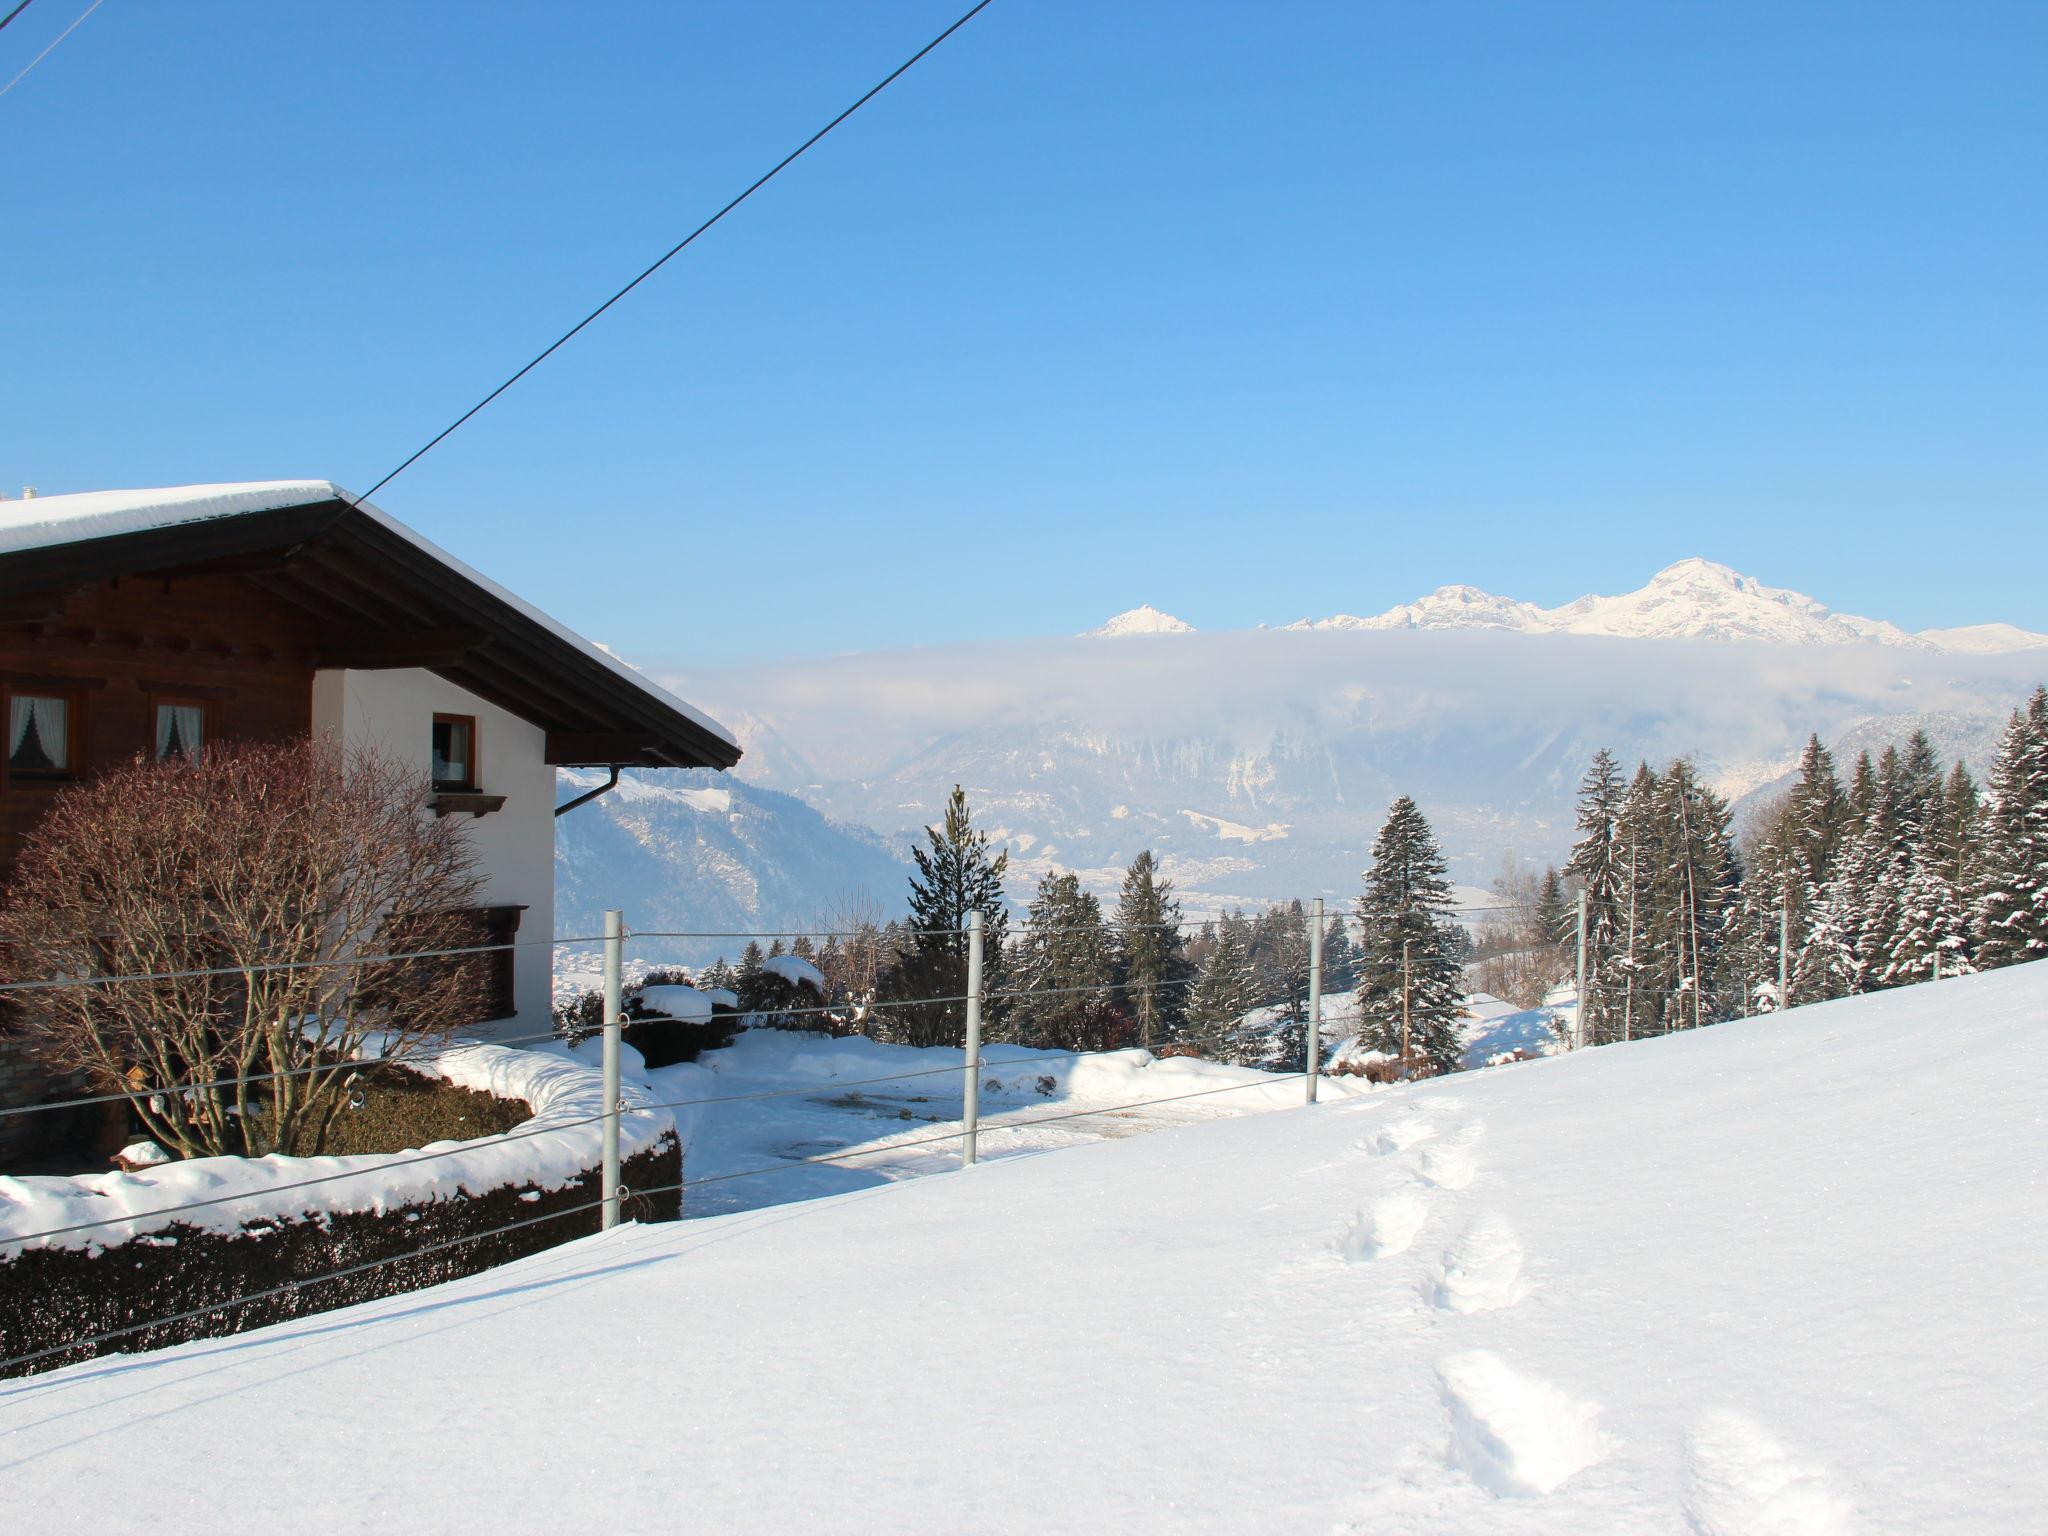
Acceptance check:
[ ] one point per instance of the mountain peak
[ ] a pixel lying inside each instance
(1690, 599)
(1141, 620)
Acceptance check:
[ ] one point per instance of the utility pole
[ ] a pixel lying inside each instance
(970, 1089)
(1404, 1007)
(1785, 943)
(614, 1015)
(1579, 1005)
(1312, 1054)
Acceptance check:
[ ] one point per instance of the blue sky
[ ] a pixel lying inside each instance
(1250, 311)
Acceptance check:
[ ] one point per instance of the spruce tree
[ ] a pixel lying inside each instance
(1407, 906)
(1151, 958)
(956, 874)
(1597, 868)
(1623, 985)
(1340, 957)
(1820, 823)
(1769, 879)
(1556, 925)
(1222, 991)
(1062, 966)
(2012, 907)
(1701, 882)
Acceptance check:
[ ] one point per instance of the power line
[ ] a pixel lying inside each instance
(32, 63)
(673, 250)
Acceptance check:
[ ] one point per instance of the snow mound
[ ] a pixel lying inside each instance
(679, 1002)
(797, 971)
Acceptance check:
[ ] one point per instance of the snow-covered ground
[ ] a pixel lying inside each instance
(792, 1099)
(1779, 1276)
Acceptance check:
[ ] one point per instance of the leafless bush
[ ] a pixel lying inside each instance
(268, 867)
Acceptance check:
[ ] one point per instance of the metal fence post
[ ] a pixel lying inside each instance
(970, 1087)
(1785, 945)
(1312, 1057)
(1579, 998)
(614, 1010)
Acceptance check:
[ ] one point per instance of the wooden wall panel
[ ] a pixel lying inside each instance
(249, 654)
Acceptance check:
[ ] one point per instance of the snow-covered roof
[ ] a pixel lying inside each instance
(43, 522)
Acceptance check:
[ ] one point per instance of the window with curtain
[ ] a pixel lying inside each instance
(454, 752)
(180, 731)
(38, 734)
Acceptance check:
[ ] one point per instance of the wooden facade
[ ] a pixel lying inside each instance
(117, 649)
(229, 620)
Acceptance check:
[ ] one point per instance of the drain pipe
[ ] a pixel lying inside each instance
(590, 794)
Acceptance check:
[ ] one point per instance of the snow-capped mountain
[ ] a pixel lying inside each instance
(1692, 600)
(1141, 620)
(1259, 763)
(694, 851)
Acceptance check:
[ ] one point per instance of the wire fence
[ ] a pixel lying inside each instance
(970, 1065)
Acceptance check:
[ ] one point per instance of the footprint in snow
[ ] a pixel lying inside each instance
(1743, 1484)
(1514, 1436)
(1399, 1135)
(1482, 1270)
(1443, 1103)
(1453, 1162)
(1389, 1227)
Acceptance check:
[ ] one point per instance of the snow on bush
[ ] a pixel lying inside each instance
(557, 1147)
(797, 971)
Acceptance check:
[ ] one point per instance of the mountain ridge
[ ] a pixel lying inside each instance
(1691, 599)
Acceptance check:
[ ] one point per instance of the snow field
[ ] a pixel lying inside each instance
(1771, 1278)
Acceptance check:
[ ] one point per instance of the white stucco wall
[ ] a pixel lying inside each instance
(515, 847)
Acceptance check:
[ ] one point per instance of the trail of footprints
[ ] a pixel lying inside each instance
(1519, 1437)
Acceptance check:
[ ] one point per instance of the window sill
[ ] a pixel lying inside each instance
(464, 803)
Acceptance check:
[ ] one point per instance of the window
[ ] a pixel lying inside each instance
(180, 730)
(455, 752)
(38, 735)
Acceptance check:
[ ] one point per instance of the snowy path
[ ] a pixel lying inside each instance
(1775, 1278)
(751, 1154)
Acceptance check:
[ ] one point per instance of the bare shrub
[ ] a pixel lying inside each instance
(270, 868)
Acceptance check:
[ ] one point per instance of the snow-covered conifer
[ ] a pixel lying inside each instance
(1407, 905)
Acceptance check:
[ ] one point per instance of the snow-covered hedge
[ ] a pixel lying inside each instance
(147, 1259)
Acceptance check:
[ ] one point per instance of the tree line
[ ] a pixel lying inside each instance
(1906, 872)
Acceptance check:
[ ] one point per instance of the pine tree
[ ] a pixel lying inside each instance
(1696, 890)
(1151, 958)
(1409, 936)
(1769, 879)
(956, 875)
(1597, 868)
(1340, 957)
(1820, 819)
(1623, 984)
(2012, 908)
(1223, 989)
(750, 962)
(1062, 966)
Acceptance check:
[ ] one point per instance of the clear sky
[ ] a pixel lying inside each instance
(1247, 310)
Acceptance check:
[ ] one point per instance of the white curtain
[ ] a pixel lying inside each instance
(184, 724)
(52, 721)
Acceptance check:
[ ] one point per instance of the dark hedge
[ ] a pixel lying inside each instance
(52, 1296)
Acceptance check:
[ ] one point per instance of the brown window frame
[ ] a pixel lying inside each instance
(474, 782)
(209, 714)
(73, 696)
